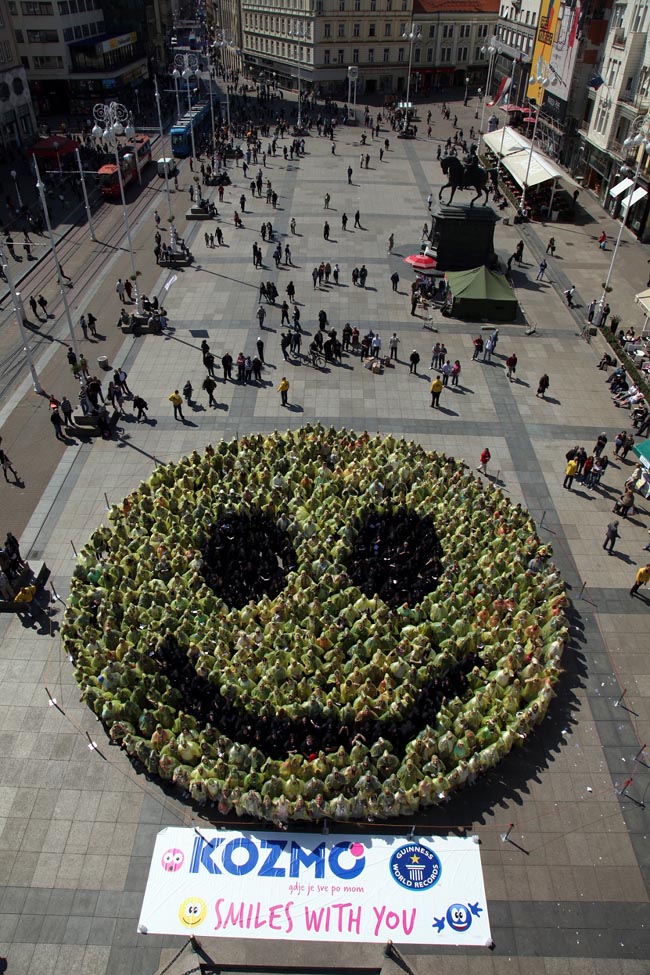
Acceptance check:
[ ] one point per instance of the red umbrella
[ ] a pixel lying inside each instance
(420, 262)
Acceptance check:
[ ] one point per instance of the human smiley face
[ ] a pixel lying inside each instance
(340, 582)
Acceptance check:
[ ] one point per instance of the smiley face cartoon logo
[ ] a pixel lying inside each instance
(284, 588)
(192, 912)
(459, 917)
(172, 860)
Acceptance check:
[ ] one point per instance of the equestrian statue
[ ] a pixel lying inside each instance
(467, 175)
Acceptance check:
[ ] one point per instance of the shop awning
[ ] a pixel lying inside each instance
(642, 451)
(516, 154)
(643, 299)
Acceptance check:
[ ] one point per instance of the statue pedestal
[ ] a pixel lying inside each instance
(463, 237)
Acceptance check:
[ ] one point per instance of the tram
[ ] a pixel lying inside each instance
(134, 154)
(199, 120)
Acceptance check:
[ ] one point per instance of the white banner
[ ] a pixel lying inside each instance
(310, 887)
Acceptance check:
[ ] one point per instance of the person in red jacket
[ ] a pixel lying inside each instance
(485, 460)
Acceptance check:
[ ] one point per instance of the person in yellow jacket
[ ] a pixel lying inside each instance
(436, 389)
(177, 402)
(283, 389)
(570, 472)
(642, 576)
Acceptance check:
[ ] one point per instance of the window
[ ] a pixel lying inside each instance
(341, 30)
(47, 62)
(464, 30)
(372, 30)
(326, 57)
(404, 4)
(319, 7)
(357, 5)
(340, 54)
(432, 30)
(448, 30)
(400, 54)
(389, 5)
(13, 7)
(462, 54)
(445, 55)
(327, 32)
(64, 8)
(371, 55)
(416, 55)
(402, 29)
(37, 9)
(429, 54)
(42, 36)
(77, 33)
(387, 30)
(19, 36)
(355, 56)
(386, 55)
(356, 30)
(478, 54)
(341, 5)
(373, 4)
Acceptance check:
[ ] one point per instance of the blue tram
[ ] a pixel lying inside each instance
(199, 119)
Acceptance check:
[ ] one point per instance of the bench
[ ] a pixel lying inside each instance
(198, 213)
(140, 327)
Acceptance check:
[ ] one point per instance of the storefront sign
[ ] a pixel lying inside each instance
(310, 887)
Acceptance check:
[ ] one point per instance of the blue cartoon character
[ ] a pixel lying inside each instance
(458, 917)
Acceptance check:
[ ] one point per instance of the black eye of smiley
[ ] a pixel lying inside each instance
(317, 623)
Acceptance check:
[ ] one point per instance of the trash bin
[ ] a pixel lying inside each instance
(102, 362)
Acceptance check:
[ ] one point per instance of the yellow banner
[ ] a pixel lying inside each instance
(546, 30)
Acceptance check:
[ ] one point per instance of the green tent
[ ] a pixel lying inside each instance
(479, 293)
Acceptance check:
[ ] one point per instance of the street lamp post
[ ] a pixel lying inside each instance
(465, 100)
(493, 49)
(14, 176)
(59, 273)
(160, 126)
(544, 81)
(298, 32)
(224, 41)
(413, 34)
(113, 117)
(189, 63)
(641, 141)
(20, 318)
(176, 75)
(85, 193)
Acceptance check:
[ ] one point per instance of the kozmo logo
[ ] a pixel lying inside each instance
(415, 867)
(276, 858)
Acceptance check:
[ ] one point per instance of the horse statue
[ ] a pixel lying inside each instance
(465, 176)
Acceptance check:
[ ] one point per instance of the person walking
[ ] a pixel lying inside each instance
(177, 402)
(260, 348)
(43, 303)
(393, 342)
(395, 280)
(261, 315)
(283, 390)
(511, 365)
(542, 386)
(66, 409)
(34, 307)
(327, 201)
(55, 420)
(485, 459)
(570, 472)
(568, 294)
(611, 534)
(591, 310)
(391, 243)
(349, 175)
(435, 390)
(642, 577)
(357, 219)
(7, 465)
(141, 406)
(542, 268)
(344, 221)
(455, 372)
(156, 217)
(478, 346)
(209, 386)
(120, 289)
(414, 359)
(550, 247)
(326, 230)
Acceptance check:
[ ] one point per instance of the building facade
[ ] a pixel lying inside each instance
(17, 121)
(517, 29)
(437, 42)
(618, 103)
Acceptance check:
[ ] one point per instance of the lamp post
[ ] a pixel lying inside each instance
(59, 274)
(85, 193)
(544, 82)
(160, 126)
(466, 90)
(189, 63)
(14, 176)
(641, 141)
(176, 75)
(20, 318)
(414, 33)
(113, 117)
(298, 32)
(224, 41)
(503, 133)
(493, 49)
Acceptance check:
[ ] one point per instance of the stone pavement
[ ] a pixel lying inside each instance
(78, 825)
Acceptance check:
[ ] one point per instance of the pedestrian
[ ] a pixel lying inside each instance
(335, 273)
(391, 243)
(55, 420)
(349, 175)
(455, 372)
(283, 390)
(605, 315)
(414, 359)
(495, 338)
(357, 219)
(550, 247)
(393, 342)
(642, 577)
(261, 315)
(209, 386)
(66, 409)
(519, 252)
(7, 465)
(478, 346)
(326, 230)
(414, 301)
(602, 240)
(327, 201)
(485, 459)
(570, 472)
(34, 307)
(83, 324)
(156, 217)
(43, 303)
(92, 322)
(344, 221)
(363, 274)
(260, 348)
(435, 390)
(141, 406)
(446, 372)
(600, 444)
(611, 535)
(177, 402)
(568, 294)
(395, 280)
(542, 268)
(511, 365)
(287, 256)
(429, 200)
(542, 386)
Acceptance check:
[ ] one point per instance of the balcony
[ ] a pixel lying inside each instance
(618, 40)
